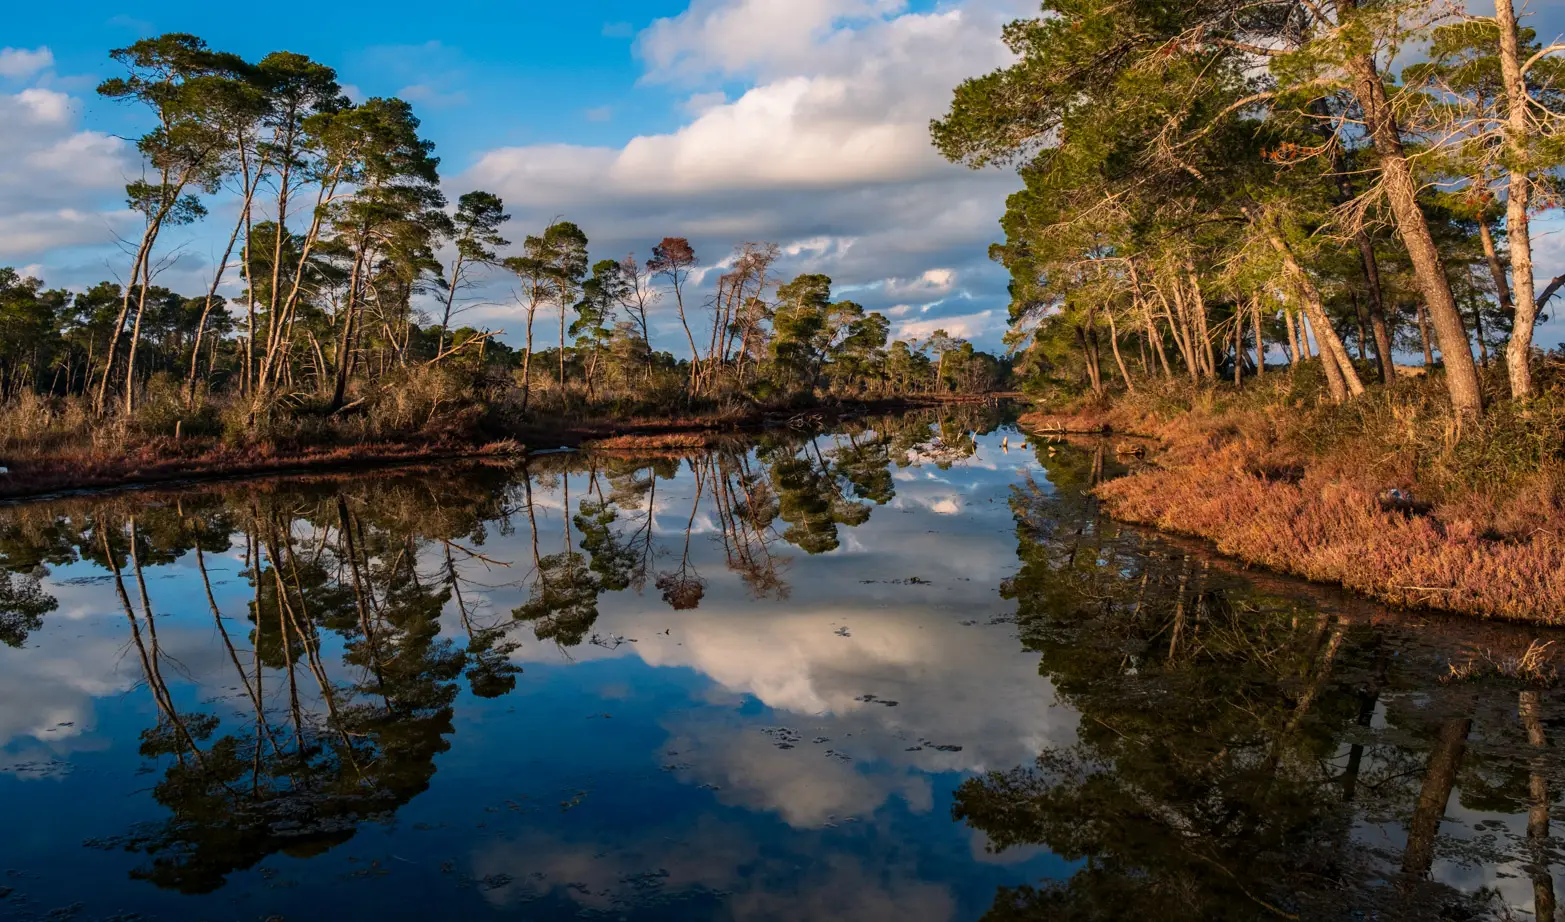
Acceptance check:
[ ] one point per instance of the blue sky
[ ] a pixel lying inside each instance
(538, 67)
(802, 122)
(799, 122)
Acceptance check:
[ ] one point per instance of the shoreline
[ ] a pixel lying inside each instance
(1324, 520)
(41, 479)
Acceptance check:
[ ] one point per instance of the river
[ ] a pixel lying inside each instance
(904, 670)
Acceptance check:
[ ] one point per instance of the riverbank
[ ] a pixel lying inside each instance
(1386, 495)
(99, 464)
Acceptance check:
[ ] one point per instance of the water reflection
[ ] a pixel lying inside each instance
(1246, 753)
(778, 680)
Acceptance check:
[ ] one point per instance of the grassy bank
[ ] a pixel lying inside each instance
(1388, 494)
(50, 445)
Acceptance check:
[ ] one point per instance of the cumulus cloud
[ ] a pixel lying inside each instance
(826, 151)
(965, 326)
(63, 184)
(20, 63)
(718, 36)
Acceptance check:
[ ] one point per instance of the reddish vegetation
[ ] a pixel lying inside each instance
(1303, 492)
(655, 441)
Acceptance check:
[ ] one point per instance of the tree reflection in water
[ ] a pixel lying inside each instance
(341, 662)
(1242, 754)
(1243, 750)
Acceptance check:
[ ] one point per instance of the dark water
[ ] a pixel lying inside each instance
(900, 671)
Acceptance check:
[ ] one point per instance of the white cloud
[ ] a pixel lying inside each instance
(62, 186)
(20, 63)
(826, 152)
(965, 326)
(740, 37)
(45, 106)
(932, 284)
(700, 103)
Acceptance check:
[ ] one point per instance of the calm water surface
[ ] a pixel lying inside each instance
(900, 671)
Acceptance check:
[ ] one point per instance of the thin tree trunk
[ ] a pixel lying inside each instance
(1146, 316)
(1341, 377)
(1186, 352)
(211, 295)
(1423, 335)
(1363, 325)
(695, 356)
(1377, 313)
(1502, 287)
(1260, 341)
(1089, 359)
(1130, 386)
(1198, 305)
(1238, 348)
(345, 341)
(1518, 353)
(445, 317)
(135, 338)
(527, 361)
(1483, 348)
(1384, 353)
(143, 251)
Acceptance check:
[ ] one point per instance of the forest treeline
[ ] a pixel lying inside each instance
(353, 272)
(1207, 183)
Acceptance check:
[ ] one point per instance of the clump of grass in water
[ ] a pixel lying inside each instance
(1535, 666)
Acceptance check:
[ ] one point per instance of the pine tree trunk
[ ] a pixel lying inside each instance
(1341, 377)
(345, 341)
(1152, 331)
(1423, 336)
(1401, 190)
(1130, 386)
(1198, 305)
(1260, 342)
(1384, 353)
(211, 296)
(1518, 354)
(527, 361)
(1502, 287)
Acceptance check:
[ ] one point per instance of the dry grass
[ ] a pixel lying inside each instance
(1535, 666)
(52, 444)
(1274, 477)
(653, 441)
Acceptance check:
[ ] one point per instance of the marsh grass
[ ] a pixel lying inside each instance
(1275, 475)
